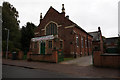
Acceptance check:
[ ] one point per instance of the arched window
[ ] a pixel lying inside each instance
(51, 29)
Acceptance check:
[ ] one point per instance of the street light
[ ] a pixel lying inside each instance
(7, 42)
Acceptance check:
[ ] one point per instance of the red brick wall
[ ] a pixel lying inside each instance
(50, 58)
(85, 50)
(111, 61)
(106, 60)
(28, 55)
(97, 58)
(9, 55)
(101, 43)
(20, 55)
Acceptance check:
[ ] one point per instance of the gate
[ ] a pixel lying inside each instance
(60, 56)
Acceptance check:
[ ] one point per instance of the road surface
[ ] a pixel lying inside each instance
(21, 72)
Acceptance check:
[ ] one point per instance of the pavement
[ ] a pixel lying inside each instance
(87, 71)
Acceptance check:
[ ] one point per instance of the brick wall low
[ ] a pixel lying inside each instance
(28, 54)
(47, 57)
(96, 58)
(110, 60)
(20, 55)
(106, 60)
(9, 55)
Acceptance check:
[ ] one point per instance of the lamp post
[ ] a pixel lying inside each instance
(7, 42)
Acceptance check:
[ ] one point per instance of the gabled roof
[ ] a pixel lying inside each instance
(96, 35)
(65, 18)
(60, 14)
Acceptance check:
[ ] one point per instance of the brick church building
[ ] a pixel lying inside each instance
(57, 32)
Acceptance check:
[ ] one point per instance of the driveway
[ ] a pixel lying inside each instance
(81, 61)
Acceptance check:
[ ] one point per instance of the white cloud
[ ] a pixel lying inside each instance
(89, 14)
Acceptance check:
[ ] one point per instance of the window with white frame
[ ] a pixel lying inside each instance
(82, 42)
(77, 40)
(86, 43)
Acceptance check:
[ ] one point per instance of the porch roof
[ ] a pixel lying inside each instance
(43, 38)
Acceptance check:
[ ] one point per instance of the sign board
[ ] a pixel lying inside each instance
(42, 38)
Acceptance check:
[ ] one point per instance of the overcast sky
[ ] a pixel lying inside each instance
(88, 14)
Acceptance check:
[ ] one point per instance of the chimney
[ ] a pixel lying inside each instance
(99, 29)
(40, 17)
(63, 10)
(67, 16)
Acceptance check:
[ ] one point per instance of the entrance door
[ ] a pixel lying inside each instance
(42, 47)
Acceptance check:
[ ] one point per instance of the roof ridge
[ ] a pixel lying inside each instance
(93, 32)
(64, 18)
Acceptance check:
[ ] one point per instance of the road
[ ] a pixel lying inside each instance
(21, 72)
(51, 70)
(14, 72)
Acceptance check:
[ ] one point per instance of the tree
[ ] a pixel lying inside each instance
(11, 22)
(27, 32)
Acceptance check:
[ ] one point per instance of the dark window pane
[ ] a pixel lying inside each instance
(61, 44)
(51, 29)
(48, 30)
(55, 30)
(50, 44)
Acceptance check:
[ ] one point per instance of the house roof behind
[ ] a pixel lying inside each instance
(112, 40)
(96, 35)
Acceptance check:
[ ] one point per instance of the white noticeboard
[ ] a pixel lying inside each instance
(42, 38)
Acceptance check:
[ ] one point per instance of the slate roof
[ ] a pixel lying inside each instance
(96, 35)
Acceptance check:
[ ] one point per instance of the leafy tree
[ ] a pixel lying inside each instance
(11, 22)
(27, 32)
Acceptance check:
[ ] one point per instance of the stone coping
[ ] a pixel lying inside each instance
(110, 54)
(42, 54)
